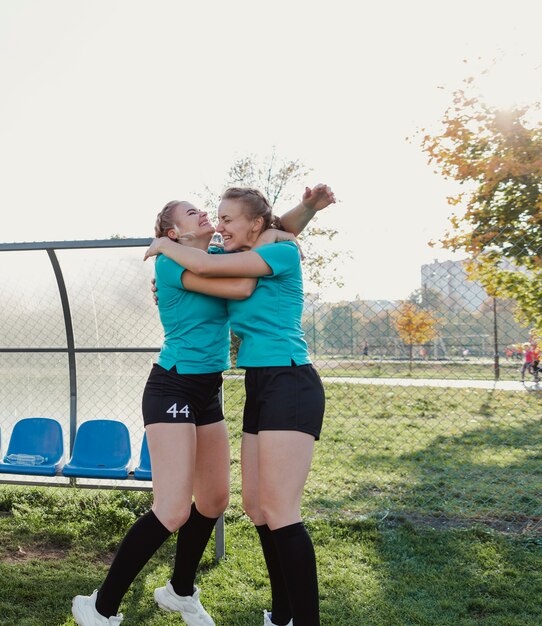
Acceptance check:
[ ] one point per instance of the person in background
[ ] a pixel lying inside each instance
(532, 358)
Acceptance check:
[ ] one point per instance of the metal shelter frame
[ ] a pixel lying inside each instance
(50, 247)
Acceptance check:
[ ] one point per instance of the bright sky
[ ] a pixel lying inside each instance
(110, 108)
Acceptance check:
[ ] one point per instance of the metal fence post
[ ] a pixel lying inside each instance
(220, 530)
(70, 343)
(495, 341)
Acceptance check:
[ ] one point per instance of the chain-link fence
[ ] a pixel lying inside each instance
(78, 336)
(427, 416)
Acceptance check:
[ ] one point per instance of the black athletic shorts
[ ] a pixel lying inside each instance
(284, 398)
(175, 398)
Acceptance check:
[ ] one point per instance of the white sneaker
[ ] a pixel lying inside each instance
(85, 614)
(189, 607)
(267, 620)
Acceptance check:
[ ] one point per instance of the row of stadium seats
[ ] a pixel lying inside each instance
(101, 449)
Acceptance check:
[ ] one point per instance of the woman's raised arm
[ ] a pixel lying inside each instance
(314, 200)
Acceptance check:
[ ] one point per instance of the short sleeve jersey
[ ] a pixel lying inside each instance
(269, 322)
(196, 327)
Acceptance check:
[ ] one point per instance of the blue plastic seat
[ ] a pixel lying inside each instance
(101, 450)
(36, 447)
(143, 470)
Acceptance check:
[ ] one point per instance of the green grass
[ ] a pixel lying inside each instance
(424, 505)
(371, 572)
(461, 453)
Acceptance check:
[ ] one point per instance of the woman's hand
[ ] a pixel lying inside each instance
(272, 235)
(154, 248)
(318, 197)
(157, 244)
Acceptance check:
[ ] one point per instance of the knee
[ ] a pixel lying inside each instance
(276, 513)
(251, 506)
(268, 512)
(171, 516)
(213, 505)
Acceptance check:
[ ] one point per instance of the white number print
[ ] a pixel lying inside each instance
(174, 411)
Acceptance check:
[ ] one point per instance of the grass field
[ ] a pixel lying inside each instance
(424, 505)
(57, 543)
(461, 453)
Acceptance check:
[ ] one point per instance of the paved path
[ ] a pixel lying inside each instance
(504, 385)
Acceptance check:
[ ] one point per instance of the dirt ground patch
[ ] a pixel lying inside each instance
(42, 553)
(27, 553)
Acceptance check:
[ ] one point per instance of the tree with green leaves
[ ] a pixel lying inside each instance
(340, 329)
(497, 157)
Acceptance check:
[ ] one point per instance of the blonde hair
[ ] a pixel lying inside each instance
(165, 219)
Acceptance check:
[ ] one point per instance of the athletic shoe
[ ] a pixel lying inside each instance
(189, 607)
(267, 620)
(85, 614)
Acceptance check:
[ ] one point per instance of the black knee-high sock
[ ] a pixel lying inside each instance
(281, 613)
(192, 539)
(140, 543)
(298, 562)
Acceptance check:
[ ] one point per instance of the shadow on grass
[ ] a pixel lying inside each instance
(461, 577)
(489, 471)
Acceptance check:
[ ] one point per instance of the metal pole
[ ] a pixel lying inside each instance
(220, 531)
(351, 330)
(70, 343)
(495, 341)
(313, 329)
(220, 538)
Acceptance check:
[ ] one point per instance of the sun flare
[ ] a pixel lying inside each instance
(512, 81)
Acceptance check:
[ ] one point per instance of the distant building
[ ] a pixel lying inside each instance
(449, 280)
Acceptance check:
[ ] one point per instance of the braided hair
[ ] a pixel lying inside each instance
(165, 220)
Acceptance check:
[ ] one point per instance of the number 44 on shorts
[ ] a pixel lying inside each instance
(175, 411)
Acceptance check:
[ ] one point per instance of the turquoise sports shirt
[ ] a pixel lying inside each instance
(269, 322)
(196, 327)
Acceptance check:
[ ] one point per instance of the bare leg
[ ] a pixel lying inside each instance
(212, 477)
(284, 462)
(211, 489)
(172, 450)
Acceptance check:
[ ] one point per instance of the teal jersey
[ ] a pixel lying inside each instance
(269, 322)
(196, 327)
